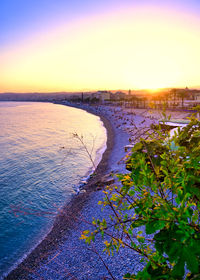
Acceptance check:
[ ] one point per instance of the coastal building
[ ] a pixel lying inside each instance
(102, 96)
(197, 96)
(119, 95)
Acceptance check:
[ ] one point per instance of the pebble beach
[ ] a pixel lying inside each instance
(62, 255)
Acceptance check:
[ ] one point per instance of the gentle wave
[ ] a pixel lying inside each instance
(41, 167)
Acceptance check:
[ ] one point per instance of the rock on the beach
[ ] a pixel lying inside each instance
(107, 179)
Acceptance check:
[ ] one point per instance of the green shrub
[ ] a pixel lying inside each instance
(156, 208)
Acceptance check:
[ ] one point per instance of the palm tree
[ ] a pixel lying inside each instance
(182, 94)
(173, 93)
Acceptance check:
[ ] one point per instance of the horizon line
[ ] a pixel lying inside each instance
(95, 90)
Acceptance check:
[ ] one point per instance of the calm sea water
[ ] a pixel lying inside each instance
(41, 165)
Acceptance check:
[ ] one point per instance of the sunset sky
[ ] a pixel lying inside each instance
(81, 45)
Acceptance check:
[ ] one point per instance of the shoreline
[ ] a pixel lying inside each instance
(63, 239)
(66, 219)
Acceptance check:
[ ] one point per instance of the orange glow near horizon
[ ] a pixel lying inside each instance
(140, 48)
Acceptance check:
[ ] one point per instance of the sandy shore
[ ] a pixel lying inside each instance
(62, 255)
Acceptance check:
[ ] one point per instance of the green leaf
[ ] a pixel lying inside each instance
(174, 250)
(137, 146)
(137, 223)
(127, 276)
(162, 235)
(191, 260)
(178, 270)
(153, 226)
(131, 192)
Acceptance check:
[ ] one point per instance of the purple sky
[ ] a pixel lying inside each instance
(60, 45)
(22, 18)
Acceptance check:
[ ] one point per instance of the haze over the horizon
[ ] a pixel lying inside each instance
(59, 45)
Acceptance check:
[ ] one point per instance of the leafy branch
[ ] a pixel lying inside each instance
(156, 208)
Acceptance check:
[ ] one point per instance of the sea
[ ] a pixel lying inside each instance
(42, 165)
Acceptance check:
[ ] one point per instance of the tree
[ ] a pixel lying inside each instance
(182, 95)
(156, 209)
(174, 95)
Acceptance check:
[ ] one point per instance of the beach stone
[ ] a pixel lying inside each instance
(107, 179)
(128, 147)
(83, 182)
(82, 191)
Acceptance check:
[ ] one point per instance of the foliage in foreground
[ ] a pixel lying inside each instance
(156, 209)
